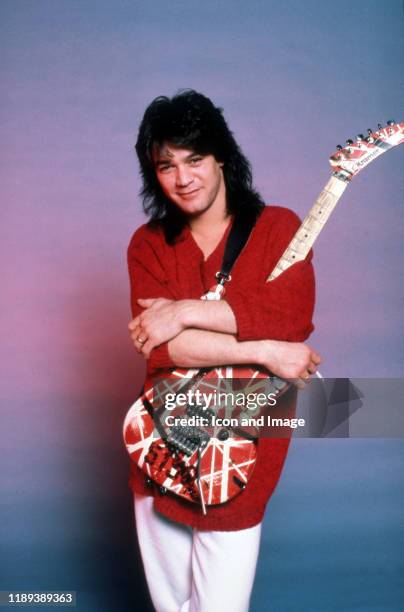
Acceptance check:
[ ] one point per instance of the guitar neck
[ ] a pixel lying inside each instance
(311, 227)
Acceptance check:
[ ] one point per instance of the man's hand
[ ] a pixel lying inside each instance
(161, 321)
(293, 361)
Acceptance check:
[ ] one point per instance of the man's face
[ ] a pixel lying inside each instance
(193, 182)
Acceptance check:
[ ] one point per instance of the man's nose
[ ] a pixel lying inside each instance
(183, 176)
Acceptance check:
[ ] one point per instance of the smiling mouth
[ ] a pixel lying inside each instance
(188, 193)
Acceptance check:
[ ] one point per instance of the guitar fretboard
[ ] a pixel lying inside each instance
(311, 227)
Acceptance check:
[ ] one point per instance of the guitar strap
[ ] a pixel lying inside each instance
(240, 232)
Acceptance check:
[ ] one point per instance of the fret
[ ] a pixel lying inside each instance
(311, 223)
(293, 258)
(297, 244)
(287, 257)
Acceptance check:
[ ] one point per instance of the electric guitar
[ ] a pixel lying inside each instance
(202, 454)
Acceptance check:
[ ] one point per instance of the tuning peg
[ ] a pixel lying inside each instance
(360, 137)
(339, 147)
(391, 122)
(370, 135)
(349, 141)
(379, 126)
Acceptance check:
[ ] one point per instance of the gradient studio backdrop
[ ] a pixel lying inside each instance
(295, 78)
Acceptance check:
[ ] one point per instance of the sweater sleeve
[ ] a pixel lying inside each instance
(148, 280)
(283, 308)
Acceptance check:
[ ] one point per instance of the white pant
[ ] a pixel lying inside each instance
(188, 570)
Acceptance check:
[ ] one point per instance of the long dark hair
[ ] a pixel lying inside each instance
(190, 120)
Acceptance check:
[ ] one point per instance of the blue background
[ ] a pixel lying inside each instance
(295, 78)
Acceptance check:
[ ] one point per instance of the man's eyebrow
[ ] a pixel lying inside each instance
(165, 158)
(191, 155)
(161, 156)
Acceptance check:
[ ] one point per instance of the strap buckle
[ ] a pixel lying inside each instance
(222, 277)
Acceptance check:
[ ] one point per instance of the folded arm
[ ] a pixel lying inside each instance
(281, 310)
(197, 348)
(163, 319)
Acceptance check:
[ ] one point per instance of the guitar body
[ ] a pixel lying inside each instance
(219, 453)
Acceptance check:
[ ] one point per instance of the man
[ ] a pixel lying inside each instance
(195, 182)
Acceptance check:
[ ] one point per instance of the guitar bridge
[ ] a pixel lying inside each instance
(187, 439)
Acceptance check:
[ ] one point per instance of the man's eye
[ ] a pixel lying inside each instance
(164, 168)
(195, 160)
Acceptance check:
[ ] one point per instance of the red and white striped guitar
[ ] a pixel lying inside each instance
(199, 460)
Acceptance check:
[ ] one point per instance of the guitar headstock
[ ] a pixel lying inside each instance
(348, 161)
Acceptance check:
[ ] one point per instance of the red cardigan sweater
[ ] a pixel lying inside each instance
(280, 310)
